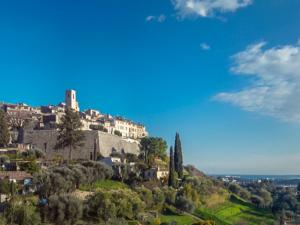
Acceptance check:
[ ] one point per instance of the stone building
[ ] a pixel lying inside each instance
(128, 128)
(71, 101)
(95, 143)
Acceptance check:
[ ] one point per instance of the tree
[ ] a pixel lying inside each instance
(266, 196)
(178, 161)
(105, 205)
(171, 181)
(5, 186)
(118, 133)
(64, 209)
(70, 134)
(65, 179)
(4, 131)
(4, 159)
(33, 154)
(22, 213)
(98, 127)
(152, 147)
(18, 120)
(184, 204)
(234, 188)
(258, 201)
(158, 198)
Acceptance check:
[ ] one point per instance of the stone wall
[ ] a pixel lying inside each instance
(95, 142)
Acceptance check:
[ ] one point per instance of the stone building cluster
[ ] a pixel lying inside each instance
(104, 134)
(47, 117)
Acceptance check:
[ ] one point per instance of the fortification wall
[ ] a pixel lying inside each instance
(95, 142)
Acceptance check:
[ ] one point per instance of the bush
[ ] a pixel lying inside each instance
(64, 209)
(4, 159)
(22, 213)
(190, 193)
(170, 195)
(5, 186)
(118, 133)
(245, 194)
(146, 196)
(207, 222)
(65, 179)
(154, 199)
(106, 205)
(184, 204)
(114, 221)
(33, 154)
(258, 201)
(158, 199)
(234, 188)
(98, 127)
(30, 167)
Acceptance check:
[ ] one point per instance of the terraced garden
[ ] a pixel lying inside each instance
(234, 211)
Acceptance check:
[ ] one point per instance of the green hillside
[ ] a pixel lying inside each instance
(180, 219)
(235, 211)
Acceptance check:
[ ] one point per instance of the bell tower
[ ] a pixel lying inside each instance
(71, 101)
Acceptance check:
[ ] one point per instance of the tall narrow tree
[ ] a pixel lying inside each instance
(4, 131)
(171, 181)
(70, 134)
(178, 161)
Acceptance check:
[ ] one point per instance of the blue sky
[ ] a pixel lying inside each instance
(225, 74)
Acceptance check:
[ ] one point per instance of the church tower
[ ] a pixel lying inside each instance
(71, 101)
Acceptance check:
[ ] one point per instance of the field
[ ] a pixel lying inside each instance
(234, 211)
(180, 219)
(171, 214)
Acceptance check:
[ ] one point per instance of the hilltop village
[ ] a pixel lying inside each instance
(62, 166)
(36, 127)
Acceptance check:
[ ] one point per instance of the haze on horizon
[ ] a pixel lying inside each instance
(226, 75)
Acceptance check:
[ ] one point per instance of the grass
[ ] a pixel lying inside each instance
(180, 219)
(235, 210)
(171, 214)
(103, 184)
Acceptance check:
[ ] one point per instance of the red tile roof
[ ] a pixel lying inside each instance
(15, 175)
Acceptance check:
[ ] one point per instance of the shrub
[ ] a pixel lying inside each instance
(184, 204)
(207, 222)
(146, 196)
(158, 199)
(65, 179)
(245, 194)
(64, 209)
(258, 201)
(33, 154)
(98, 127)
(170, 195)
(22, 213)
(5, 186)
(106, 205)
(190, 193)
(4, 159)
(118, 133)
(30, 167)
(234, 188)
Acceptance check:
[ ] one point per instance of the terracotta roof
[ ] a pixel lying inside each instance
(15, 175)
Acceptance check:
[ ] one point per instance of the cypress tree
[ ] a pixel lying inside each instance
(178, 161)
(69, 132)
(4, 131)
(171, 181)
